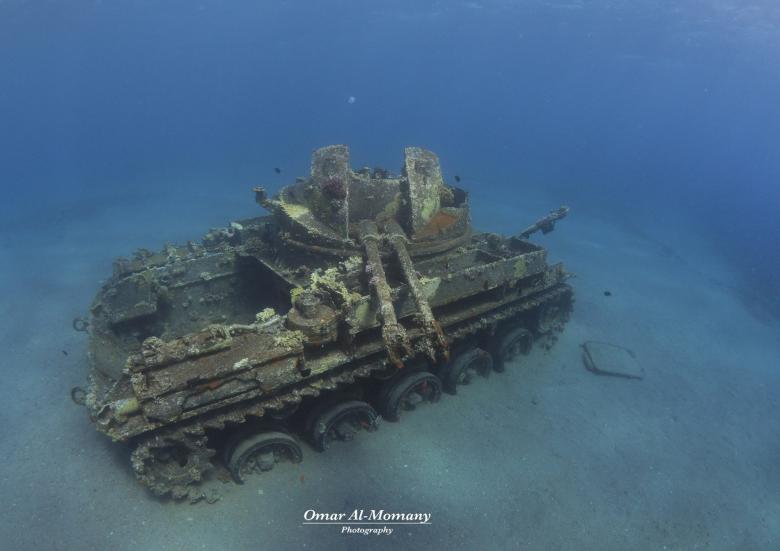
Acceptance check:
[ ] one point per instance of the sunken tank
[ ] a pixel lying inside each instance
(361, 296)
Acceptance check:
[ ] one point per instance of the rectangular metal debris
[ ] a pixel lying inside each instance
(604, 358)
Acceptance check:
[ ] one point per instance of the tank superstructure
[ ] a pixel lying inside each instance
(363, 294)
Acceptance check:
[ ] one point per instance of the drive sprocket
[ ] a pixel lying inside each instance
(173, 461)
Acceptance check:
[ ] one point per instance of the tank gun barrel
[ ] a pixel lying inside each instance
(261, 197)
(393, 333)
(545, 224)
(437, 344)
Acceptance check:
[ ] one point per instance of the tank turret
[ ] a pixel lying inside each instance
(323, 212)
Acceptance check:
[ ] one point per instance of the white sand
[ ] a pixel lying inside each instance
(544, 456)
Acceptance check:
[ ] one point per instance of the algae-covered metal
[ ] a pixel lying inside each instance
(363, 293)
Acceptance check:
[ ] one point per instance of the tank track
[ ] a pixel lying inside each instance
(187, 444)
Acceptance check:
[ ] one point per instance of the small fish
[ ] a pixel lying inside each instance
(607, 293)
(277, 170)
(64, 352)
(457, 178)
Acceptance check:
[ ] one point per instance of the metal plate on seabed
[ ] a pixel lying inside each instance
(604, 358)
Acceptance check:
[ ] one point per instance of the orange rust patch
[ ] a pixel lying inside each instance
(437, 225)
(211, 385)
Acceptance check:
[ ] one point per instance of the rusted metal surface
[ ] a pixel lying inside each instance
(422, 188)
(354, 273)
(436, 343)
(393, 333)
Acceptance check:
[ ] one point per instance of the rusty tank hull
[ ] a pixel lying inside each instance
(362, 295)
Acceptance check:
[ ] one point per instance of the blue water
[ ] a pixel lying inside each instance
(647, 106)
(659, 116)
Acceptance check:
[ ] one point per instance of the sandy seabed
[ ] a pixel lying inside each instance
(544, 456)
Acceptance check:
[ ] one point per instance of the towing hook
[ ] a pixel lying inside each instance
(78, 395)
